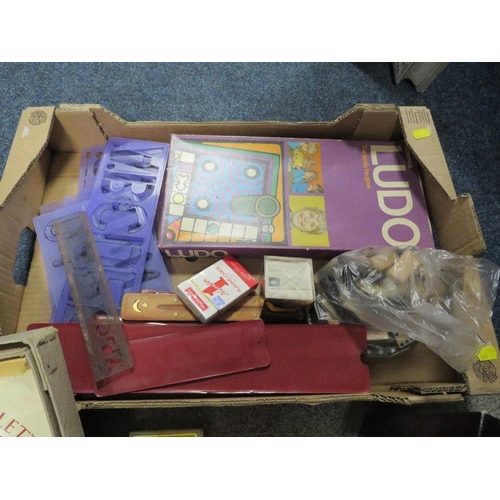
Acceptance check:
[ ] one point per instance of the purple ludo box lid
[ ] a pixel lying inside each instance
(370, 191)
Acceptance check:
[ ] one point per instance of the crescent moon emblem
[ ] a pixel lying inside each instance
(135, 306)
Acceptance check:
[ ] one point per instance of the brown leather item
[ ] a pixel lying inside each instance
(304, 359)
(169, 354)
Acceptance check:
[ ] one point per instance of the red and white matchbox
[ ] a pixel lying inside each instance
(216, 289)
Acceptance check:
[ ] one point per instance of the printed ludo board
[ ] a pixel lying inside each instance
(249, 196)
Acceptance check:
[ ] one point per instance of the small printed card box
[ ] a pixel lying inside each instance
(215, 289)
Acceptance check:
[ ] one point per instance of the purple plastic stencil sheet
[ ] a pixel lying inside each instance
(89, 166)
(51, 254)
(124, 198)
(155, 276)
(121, 212)
(56, 205)
(117, 256)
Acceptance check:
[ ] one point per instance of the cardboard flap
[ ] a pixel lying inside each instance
(483, 377)
(421, 136)
(357, 123)
(76, 128)
(398, 397)
(21, 191)
(425, 389)
(408, 398)
(453, 216)
(114, 126)
(377, 122)
(455, 219)
(29, 142)
(417, 367)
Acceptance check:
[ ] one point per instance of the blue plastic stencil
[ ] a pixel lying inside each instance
(100, 324)
(51, 254)
(89, 165)
(123, 202)
(155, 276)
(123, 184)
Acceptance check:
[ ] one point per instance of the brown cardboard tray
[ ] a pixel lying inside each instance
(43, 167)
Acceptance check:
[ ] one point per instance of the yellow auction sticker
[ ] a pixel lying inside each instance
(487, 353)
(421, 133)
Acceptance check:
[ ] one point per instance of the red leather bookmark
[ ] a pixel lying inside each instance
(169, 354)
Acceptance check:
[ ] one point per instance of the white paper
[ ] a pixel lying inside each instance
(22, 412)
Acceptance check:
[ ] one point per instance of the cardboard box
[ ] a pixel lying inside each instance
(36, 399)
(216, 289)
(316, 198)
(288, 289)
(289, 281)
(43, 167)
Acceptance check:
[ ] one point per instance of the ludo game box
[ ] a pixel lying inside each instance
(250, 196)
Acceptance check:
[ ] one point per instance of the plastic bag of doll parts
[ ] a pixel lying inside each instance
(433, 296)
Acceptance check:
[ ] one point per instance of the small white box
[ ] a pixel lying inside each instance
(289, 281)
(217, 288)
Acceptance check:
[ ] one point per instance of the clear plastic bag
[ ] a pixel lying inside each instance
(433, 296)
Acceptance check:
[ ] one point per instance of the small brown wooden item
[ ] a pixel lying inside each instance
(150, 306)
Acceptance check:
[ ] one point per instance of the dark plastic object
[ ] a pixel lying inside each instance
(468, 424)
